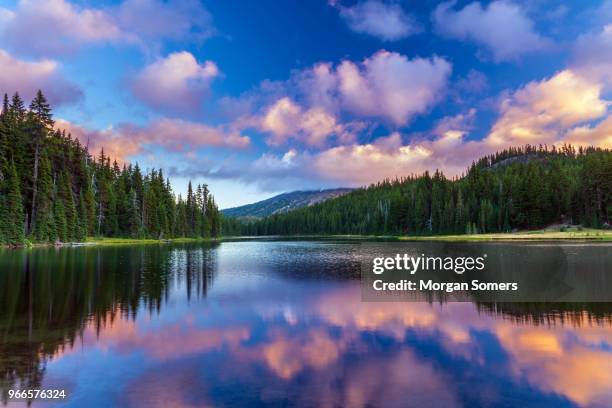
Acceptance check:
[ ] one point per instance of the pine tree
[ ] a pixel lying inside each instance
(41, 123)
(13, 210)
(83, 222)
(17, 109)
(44, 225)
(59, 218)
(66, 198)
(5, 108)
(41, 110)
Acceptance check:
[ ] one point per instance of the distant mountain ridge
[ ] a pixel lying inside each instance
(284, 202)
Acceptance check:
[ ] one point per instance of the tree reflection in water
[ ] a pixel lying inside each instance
(48, 296)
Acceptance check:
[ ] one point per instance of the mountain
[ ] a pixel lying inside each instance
(284, 202)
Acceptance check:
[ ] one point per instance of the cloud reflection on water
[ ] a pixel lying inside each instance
(333, 349)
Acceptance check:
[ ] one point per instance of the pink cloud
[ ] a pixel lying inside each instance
(391, 86)
(177, 83)
(362, 164)
(285, 119)
(555, 110)
(501, 27)
(309, 106)
(565, 108)
(27, 77)
(599, 135)
(172, 134)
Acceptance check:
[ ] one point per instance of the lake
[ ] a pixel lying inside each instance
(282, 323)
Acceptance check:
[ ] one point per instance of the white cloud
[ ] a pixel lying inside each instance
(501, 27)
(57, 27)
(177, 83)
(53, 27)
(153, 20)
(388, 22)
(592, 55)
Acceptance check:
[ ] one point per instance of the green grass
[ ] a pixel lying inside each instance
(538, 235)
(103, 241)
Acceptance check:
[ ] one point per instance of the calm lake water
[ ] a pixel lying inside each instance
(265, 323)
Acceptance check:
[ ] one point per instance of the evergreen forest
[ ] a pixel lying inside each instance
(52, 190)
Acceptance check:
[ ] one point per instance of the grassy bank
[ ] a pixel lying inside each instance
(539, 235)
(549, 234)
(103, 241)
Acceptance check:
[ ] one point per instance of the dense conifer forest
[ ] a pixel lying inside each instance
(516, 189)
(52, 190)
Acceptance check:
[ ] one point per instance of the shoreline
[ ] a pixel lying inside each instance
(97, 242)
(585, 235)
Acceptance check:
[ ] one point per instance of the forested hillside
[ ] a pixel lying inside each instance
(52, 190)
(518, 188)
(284, 202)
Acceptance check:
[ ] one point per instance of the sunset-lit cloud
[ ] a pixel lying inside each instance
(285, 119)
(555, 110)
(176, 135)
(544, 111)
(175, 83)
(599, 135)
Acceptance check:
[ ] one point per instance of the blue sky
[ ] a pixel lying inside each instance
(256, 98)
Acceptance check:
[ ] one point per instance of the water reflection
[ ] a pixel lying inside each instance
(277, 323)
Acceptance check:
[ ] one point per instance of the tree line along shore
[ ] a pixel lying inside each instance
(53, 191)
